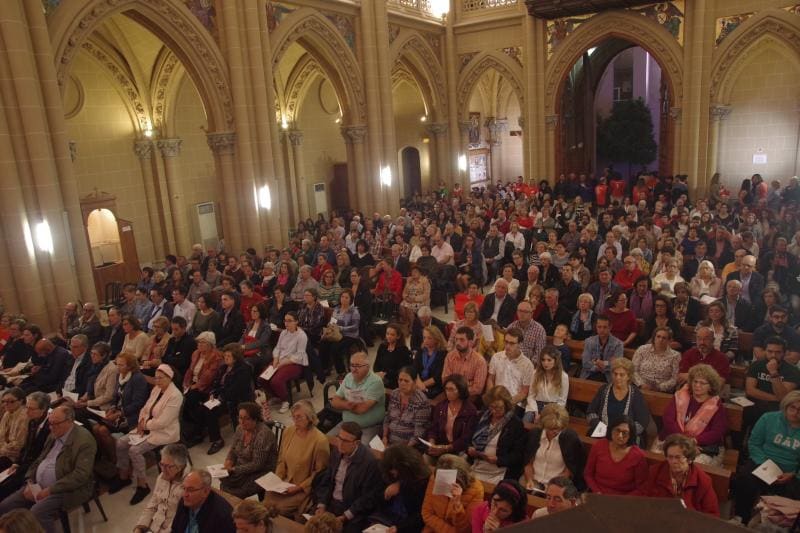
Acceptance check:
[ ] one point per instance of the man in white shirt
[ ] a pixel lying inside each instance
(509, 369)
(442, 251)
(182, 306)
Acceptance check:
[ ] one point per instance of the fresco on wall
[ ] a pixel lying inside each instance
(666, 14)
(205, 13)
(275, 14)
(474, 129)
(727, 25)
(345, 27)
(559, 29)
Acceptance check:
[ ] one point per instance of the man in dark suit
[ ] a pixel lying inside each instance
(351, 495)
(553, 313)
(752, 282)
(161, 307)
(399, 262)
(201, 509)
(691, 266)
(232, 321)
(113, 334)
(180, 347)
(568, 289)
(77, 376)
(56, 364)
(499, 306)
(737, 310)
(424, 319)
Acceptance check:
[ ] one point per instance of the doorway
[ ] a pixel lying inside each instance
(412, 172)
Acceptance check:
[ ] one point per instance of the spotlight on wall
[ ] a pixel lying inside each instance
(386, 176)
(44, 237)
(264, 197)
(462, 163)
(148, 133)
(284, 123)
(423, 118)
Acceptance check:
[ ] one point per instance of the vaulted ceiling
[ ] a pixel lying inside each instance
(552, 9)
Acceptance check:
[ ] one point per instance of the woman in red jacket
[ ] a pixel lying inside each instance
(679, 477)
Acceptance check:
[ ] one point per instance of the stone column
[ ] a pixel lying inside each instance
(676, 114)
(551, 121)
(293, 206)
(717, 113)
(463, 149)
(387, 109)
(457, 147)
(296, 138)
(170, 149)
(144, 152)
(373, 155)
(438, 131)
(354, 137)
(223, 146)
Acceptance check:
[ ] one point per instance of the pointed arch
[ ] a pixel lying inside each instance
(168, 72)
(326, 45)
(774, 24)
(505, 66)
(632, 27)
(421, 61)
(300, 80)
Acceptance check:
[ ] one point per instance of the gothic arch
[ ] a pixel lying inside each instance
(300, 80)
(504, 65)
(632, 27)
(776, 25)
(421, 61)
(172, 22)
(326, 45)
(166, 81)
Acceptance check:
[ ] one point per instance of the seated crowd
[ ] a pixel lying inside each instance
(552, 289)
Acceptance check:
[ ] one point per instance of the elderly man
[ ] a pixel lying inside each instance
(554, 313)
(61, 478)
(602, 289)
(304, 282)
(752, 281)
(400, 263)
(464, 360)
(76, 379)
(161, 307)
(351, 488)
(198, 287)
(704, 353)
(36, 405)
(113, 334)
(599, 350)
(160, 510)
(361, 398)
(548, 273)
(88, 324)
(69, 319)
(201, 509)
(498, 307)
(51, 373)
(534, 336)
(527, 285)
(738, 311)
(442, 251)
(560, 494)
(493, 251)
(424, 319)
(777, 326)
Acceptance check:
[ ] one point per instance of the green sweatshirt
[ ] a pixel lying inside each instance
(773, 438)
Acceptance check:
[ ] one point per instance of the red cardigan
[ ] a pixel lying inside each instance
(604, 476)
(698, 494)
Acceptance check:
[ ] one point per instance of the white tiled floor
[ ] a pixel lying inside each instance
(122, 517)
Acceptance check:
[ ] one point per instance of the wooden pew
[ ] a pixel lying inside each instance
(737, 377)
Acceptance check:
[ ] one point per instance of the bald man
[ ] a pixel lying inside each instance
(56, 364)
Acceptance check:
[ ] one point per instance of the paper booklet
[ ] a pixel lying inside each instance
(443, 482)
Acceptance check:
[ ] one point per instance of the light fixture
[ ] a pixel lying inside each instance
(423, 118)
(462, 163)
(386, 176)
(284, 123)
(264, 197)
(440, 8)
(44, 237)
(148, 129)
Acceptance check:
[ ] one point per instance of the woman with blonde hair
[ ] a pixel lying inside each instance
(620, 398)
(429, 362)
(158, 343)
(252, 517)
(451, 513)
(553, 449)
(20, 521)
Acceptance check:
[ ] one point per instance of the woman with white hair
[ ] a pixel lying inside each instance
(705, 282)
(168, 491)
(197, 383)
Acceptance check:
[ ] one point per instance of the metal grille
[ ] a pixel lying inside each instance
(416, 5)
(475, 5)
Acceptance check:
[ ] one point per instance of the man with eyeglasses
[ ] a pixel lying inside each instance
(361, 397)
(200, 509)
(510, 369)
(61, 478)
(752, 281)
(351, 487)
(38, 430)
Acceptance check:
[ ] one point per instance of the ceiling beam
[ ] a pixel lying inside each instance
(552, 9)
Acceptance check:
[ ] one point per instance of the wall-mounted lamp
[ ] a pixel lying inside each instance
(423, 118)
(386, 176)
(264, 197)
(284, 123)
(148, 133)
(462, 163)
(44, 237)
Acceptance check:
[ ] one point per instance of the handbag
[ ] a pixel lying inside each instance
(331, 333)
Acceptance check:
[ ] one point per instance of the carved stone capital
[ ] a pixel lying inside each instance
(73, 150)
(720, 112)
(676, 113)
(521, 122)
(436, 128)
(464, 126)
(496, 127)
(221, 143)
(169, 147)
(143, 149)
(354, 134)
(551, 121)
(295, 137)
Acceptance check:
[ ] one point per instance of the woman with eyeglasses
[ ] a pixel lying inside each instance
(167, 493)
(289, 357)
(499, 439)
(253, 453)
(616, 465)
(507, 506)
(656, 365)
(13, 426)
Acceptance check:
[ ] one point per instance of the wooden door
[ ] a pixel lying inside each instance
(340, 188)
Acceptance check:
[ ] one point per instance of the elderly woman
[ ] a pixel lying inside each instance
(774, 437)
(685, 308)
(347, 319)
(289, 358)
(616, 465)
(158, 344)
(158, 425)
(581, 327)
(311, 319)
(197, 383)
(622, 320)
(679, 477)
(451, 513)
(329, 289)
(705, 282)
(664, 283)
(232, 386)
(655, 365)
(167, 493)
(101, 381)
(206, 318)
(304, 453)
(498, 442)
(130, 395)
(409, 411)
(393, 354)
(453, 420)
(252, 454)
(136, 341)
(416, 293)
(552, 449)
(726, 335)
(13, 427)
(696, 411)
(407, 474)
(620, 398)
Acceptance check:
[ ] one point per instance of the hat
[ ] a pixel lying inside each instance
(207, 336)
(166, 369)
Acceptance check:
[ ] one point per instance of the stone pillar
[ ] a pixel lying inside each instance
(170, 149)
(144, 152)
(296, 138)
(438, 132)
(676, 114)
(457, 147)
(354, 137)
(290, 177)
(551, 121)
(463, 149)
(717, 113)
(392, 193)
(223, 146)
(373, 154)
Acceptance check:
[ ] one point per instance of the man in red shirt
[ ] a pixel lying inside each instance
(704, 353)
(617, 189)
(601, 193)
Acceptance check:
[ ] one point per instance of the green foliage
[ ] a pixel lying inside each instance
(626, 136)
